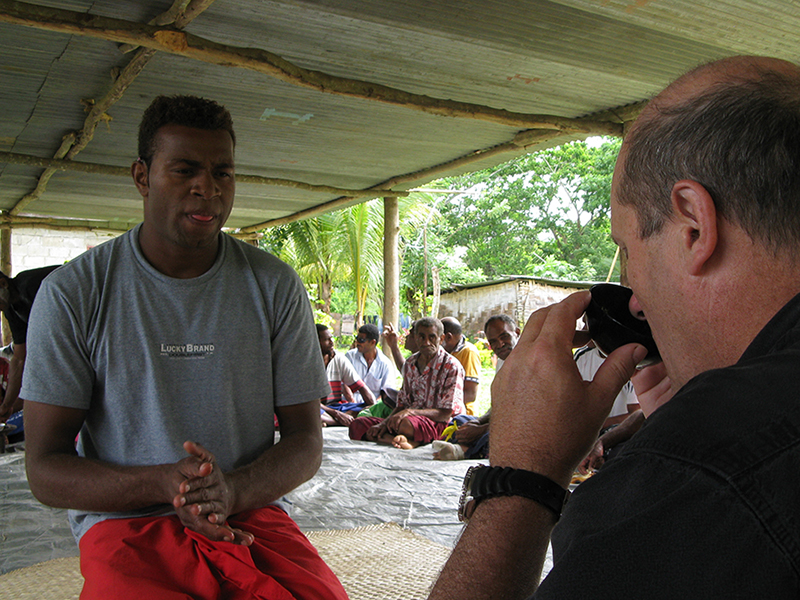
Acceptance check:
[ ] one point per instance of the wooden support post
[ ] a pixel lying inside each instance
(391, 264)
(5, 267)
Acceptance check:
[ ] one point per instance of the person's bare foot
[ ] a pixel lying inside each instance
(447, 451)
(401, 441)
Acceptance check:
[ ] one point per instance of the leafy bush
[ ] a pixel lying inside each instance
(486, 357)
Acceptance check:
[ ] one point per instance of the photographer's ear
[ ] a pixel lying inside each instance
(695, 215)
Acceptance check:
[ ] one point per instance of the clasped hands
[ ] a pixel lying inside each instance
(390, 425)
(204, 496)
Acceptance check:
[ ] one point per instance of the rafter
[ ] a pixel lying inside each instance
(54, 165)
(73, 143)
(179, 15)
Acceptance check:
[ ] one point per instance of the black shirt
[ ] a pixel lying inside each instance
(23, 290)
(703, 502)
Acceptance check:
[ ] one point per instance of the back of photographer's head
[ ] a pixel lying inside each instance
(734, 127)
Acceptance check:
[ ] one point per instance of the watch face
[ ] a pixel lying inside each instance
(466, 504)
(465, 510)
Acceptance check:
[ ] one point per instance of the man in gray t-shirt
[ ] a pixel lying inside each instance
(171, 349)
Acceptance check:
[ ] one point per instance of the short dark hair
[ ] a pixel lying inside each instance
(429, 322)
(321, 328)
(189, 111)
(370, 330)
(504, 318)
(740, 140)
(451, 325)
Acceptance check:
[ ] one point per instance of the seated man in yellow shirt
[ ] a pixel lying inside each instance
(467, 354)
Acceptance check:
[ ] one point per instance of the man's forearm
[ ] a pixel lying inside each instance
(501, 551)
(64, 481)
(280, 469)
(59, 477)
(277, 472)
(470, 391)
(347, 393)
(366, 394)
(397, 356)
(11, 400)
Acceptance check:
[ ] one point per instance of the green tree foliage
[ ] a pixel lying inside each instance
(544, 214)
(362, 227)
(342, 247)
(313, 247)
(424, 249)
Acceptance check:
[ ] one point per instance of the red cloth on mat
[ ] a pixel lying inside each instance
(425, 430)
(155, 558)
(358, 427)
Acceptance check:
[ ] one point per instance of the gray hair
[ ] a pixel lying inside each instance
(429, 322)
(504, 318)
(740, 140)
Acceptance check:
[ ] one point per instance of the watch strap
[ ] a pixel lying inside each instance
(482, 482)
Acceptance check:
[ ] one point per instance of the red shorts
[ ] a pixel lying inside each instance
(157, 558)
(425, 430)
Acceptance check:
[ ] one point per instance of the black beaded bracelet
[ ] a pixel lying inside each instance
(482, 482)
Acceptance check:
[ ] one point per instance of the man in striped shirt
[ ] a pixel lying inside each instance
(344, 382)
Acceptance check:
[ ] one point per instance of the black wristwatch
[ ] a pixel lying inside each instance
(482, 482)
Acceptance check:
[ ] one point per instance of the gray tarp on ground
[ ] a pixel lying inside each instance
(359, 483)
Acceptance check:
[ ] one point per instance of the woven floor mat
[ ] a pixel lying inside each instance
(376, 562)
(382, 562)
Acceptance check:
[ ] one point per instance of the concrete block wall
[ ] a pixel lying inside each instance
(516, 298)
(536, 295)
(34, 247)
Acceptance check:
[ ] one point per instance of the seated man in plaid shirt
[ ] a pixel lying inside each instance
(432, 393)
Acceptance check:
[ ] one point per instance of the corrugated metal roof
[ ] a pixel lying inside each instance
(568, 58)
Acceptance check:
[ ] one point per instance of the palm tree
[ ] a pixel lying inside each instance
(348, 245)
(363, 251)
(313, 247)
(417, 212)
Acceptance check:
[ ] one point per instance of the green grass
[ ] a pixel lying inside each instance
(484, 399)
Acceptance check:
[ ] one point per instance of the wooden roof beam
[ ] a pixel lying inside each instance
(52, 164)
(73, 143)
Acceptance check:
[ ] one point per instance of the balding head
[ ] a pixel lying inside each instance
(451, 325)
(452, 333)
(732, 126)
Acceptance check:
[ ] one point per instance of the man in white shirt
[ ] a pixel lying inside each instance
(373, 366)
(345, 383)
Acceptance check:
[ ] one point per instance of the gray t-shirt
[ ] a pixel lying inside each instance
(157, 361)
